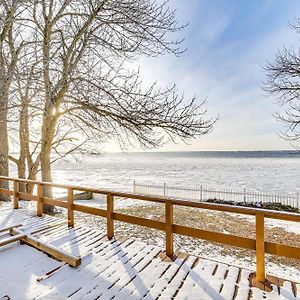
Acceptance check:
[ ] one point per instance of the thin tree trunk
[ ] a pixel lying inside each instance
(22, 174)
(24, 144)
(32, 174)
(4, 171)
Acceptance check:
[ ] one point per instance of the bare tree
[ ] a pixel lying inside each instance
(25, 114)
(9, 53)
(89, 90)
(283, 82)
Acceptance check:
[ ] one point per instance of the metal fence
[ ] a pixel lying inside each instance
(203, 194)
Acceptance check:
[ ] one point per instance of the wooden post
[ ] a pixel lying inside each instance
(16, 195)
(70, 207)
(40, 194)
(169, 229)
(110, 219)
(201, 193)
(260, 248)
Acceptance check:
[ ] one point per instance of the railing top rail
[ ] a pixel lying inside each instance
(287, 216)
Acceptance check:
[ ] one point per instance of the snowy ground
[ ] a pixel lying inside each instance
(243, 258)
(116, 269)
(287, 232)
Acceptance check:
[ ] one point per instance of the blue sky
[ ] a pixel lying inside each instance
(228, 42)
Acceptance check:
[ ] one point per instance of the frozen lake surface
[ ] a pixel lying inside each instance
(270, 171)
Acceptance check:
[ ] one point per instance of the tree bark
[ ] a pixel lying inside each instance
(32, 173)
(48, 132)
(24, 141)
(3, 141)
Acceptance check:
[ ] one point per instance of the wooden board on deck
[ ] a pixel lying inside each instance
(123, 269)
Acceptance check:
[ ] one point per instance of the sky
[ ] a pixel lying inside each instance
(228, 42)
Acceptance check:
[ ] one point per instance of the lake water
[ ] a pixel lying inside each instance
(272, 171)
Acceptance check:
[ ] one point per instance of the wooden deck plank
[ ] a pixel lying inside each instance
(197, 281)
(176, 283)
(243, 291)
(136, 265)
(161, 284)
(11, 239)
(106, 248)
(48, 248)
(108, 275)
(146, 278)
(118, 281)
(120, 270)
(57, 233)
(92, 267)
(10, 227)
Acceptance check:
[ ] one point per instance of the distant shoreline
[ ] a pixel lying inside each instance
(202, 154)
(210, 154)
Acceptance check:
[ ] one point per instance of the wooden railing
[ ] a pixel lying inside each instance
(258, 244)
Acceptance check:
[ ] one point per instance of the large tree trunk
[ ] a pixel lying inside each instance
(48, 131)
(47, 177)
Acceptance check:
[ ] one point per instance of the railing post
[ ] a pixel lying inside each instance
(70, 207)
(110, 219)
(16, 195)
(201, 193)
(40, 193)
(244, 195)
(134, 187)
(260, 248)
(169, 229)
(164, 189)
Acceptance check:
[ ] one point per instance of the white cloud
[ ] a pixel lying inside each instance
(212, 30)
(229, 75)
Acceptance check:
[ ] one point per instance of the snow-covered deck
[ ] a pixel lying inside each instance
(116, 269)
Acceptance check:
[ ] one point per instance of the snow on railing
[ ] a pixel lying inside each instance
(203, 194)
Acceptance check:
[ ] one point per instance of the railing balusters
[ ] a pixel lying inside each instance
(192, 193)
(16, 195)
(40, 193)
(260, 247)
(169, 229)
(110, 219)
(70, 207)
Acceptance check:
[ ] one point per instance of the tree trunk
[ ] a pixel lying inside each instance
(3, 142)
(22, 174)
(48, 132)
(46, 173)
(32, 174)
(24, 144)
